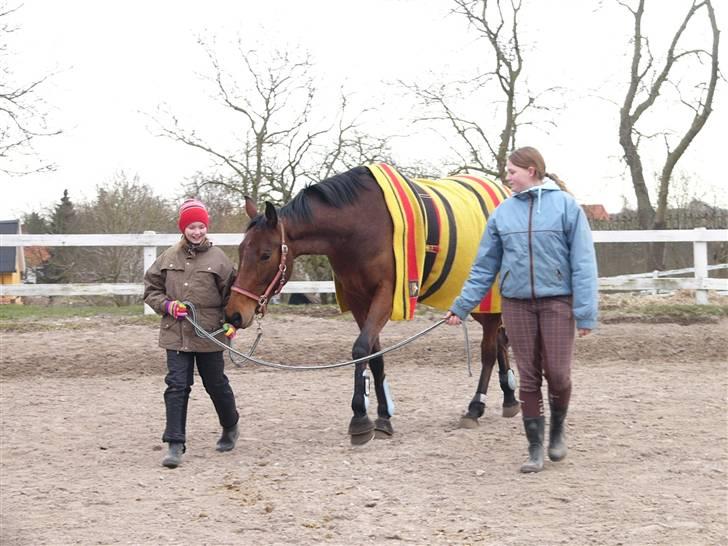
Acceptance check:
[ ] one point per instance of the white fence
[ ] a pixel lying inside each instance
(150, 241)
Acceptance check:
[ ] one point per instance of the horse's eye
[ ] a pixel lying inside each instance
(265, 257)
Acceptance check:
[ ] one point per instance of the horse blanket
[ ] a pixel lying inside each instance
(438, 225)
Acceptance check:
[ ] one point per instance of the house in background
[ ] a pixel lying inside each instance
(596, 212)
(12, 260)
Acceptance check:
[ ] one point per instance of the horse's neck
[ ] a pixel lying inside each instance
(309, 239)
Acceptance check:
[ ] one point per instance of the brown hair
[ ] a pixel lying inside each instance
(527, 156)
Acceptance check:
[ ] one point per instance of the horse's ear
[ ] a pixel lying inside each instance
(250, 209)
(271, 215)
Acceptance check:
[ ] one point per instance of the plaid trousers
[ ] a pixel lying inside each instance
(541, 333)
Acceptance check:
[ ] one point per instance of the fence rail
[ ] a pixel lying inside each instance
(699, 237)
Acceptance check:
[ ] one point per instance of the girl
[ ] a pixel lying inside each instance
(540, 242)
(192, 271)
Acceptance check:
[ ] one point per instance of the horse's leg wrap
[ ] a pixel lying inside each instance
(385, 401)
(507, 381)
(361, 428)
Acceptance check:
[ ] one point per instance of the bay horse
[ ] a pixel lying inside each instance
(345, 218)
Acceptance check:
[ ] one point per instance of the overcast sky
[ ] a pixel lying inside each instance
(116, 62)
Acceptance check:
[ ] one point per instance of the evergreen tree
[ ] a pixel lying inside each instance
(62, 261)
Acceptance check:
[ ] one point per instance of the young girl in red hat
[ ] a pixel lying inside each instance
(193, 271)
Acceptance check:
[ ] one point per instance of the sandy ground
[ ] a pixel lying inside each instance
(82, 416)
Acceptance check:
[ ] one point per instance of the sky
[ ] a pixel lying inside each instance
(115, 63)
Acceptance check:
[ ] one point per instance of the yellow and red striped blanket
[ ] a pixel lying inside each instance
(438, 225)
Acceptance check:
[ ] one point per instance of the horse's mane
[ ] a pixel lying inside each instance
(337, 191)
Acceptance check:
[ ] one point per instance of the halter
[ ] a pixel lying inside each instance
(275, 286)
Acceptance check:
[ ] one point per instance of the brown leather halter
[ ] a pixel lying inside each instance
(275, 286)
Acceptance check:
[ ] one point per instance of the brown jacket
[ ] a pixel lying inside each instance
(201, 276)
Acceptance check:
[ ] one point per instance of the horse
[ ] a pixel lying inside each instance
(345, 218)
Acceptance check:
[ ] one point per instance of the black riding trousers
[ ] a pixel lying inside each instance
(179, 380)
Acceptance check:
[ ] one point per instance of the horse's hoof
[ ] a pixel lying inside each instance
(361, 439)
(383, 429)
(468, 422)
(360, 425)
(512, 410)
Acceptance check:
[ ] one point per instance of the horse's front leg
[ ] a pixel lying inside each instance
(361, 428)
(371, 320)
(385, 403)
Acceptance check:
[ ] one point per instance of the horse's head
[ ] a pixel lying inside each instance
(262, 266)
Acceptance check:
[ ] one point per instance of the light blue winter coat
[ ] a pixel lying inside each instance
(540, 242)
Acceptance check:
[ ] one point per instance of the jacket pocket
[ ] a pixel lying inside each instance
(504, 276)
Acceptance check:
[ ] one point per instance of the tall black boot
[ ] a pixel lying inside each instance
(557, 437)
(534, 427)
(228, 438)
(174, 456)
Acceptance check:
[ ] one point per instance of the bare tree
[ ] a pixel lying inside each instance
(277, 147)
(274, 103)
(122, 205)
(485, 151)
(649, 79)
(349, 146)
(22, 119)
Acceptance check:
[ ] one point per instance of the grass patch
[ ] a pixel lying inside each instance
(679, 313)
(19, 312)
(70, 317)
(49, 317)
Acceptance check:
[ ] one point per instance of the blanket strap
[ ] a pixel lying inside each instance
(432, 243)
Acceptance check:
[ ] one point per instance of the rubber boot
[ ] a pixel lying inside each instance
(557, 436)
(534, 427)
(228, 438)
(174, 455)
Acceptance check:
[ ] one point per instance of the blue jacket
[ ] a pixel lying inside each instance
(540, 242)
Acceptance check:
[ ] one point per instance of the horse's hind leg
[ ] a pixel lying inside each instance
(491, 349)
(385, 403)
(506, 377)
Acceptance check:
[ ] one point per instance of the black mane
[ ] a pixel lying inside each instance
(337, 191)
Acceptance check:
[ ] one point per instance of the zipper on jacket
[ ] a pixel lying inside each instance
(530, 246)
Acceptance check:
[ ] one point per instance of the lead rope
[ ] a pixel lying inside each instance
(204, 334)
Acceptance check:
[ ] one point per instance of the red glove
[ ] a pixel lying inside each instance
(176, 309)
(229, 330)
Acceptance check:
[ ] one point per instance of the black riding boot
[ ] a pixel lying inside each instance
(557, 437)
(174, 456)
(228, 438)
(534, 432)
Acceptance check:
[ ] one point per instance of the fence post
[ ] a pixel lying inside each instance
(700, 259)
(150, 254)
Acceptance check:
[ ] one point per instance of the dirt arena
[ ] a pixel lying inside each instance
(82, 415)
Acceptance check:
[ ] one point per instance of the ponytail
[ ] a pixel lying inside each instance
(559, 182)
(527, 157)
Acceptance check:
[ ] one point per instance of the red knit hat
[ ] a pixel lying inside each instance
(191, 211)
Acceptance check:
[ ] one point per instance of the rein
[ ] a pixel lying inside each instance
(275, 286)
(204, 334)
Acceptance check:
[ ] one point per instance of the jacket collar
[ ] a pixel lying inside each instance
(548, 185)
